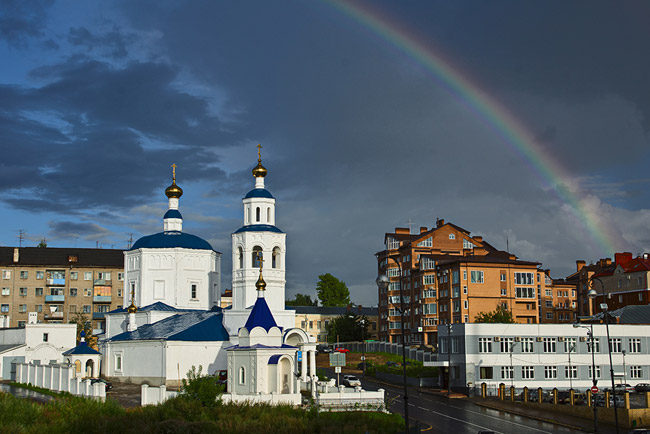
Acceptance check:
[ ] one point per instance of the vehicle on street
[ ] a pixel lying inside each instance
(107, 384)
(351, 380)
(621, 388)
(322, 348)
(620, 401)
(341, 350)
(642, 387)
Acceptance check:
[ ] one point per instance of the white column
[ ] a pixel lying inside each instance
(312, 363)
(304, 363)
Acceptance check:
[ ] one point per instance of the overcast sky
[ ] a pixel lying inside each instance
(360, 131)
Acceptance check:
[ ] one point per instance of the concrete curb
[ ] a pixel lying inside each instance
(529, 416)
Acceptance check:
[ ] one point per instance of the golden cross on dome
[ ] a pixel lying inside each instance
(174, 171)
(259, 153)
(260, 260)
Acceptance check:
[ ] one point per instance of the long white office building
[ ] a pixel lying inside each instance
(542, 355)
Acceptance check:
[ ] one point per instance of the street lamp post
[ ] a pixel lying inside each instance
(594, 382)
(382, 282)
(603, 306)
(363, 346)
(624, 371)
(448, 359)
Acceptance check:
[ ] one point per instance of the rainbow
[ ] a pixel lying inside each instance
(493, 114)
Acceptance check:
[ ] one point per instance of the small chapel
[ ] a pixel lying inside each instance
(174, 320)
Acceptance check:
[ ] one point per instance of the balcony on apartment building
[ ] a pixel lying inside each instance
(102, 299)
(59, 281)
(102, 282)
(55, 298)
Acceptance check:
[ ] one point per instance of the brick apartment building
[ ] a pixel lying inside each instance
(625, 282)
(58, 283)
(449, 277)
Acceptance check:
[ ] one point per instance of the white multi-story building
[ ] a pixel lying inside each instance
(542, 355)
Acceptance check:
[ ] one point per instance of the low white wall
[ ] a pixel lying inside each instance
(150, 395)
(60, 378)
(266, 398)
(347, 398)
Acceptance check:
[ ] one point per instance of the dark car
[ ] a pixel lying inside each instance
(393, 364)
(642, 387)
(107, 384)
(323, 348)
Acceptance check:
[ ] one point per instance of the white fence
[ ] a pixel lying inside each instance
(60, 378)
(155, 395)
(266, 398)
(343, 398)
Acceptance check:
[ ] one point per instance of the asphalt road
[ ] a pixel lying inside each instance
(438, 414)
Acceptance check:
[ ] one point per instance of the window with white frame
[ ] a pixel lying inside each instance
(465, 289)
(40, 275)
(635, 345)
(636, 372)
(120, 276)
(549, 315)
(596, 345)
(452, 236)
(550, 372)
(455, 345)
(615, 345)
(464, 274)
(427, 264)
(6, 274)
(484, 345)
(476, 276)
(507, 344)
(528, 372)
(524, 278)
(597, 372)
(394, 325)
(549, 303)
(549, 293)
(569, 345)
(24, 274)
(22, 292)
(465, 304)
(524, 292)
(393, 272)
(571, 372)
(88, 275)
(429, 293)
(504, 292)
(6, 291)
(429, 308)
(527, 345)
(455, 277)
(549, 345)
(394, 286)
(38, 292)
(429, 279)
(507, 372)
(426, 243)
(118, 362)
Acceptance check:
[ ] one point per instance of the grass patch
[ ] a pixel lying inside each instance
(40, 390)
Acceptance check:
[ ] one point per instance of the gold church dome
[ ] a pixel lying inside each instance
(173, 191)
(259, 171)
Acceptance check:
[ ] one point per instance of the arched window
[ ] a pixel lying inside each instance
(242, 375)
(268, 215)
(248, 217)
(77, 366)
(257, 214)
(256, 255)
(275, 263)
(240, 257)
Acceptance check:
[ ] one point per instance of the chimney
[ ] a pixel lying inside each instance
(406, 231)
(580, 264)
(16, 255)
(440, 222)
(622, 258)
(423, 229)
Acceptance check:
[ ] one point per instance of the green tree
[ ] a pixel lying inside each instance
(42, 244)
(203, 389)
(85, 325)
(500, 315)
(331, 291)
(301, 300)
(347, 328)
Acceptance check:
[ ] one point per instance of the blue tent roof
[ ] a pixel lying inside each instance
(81, 348)
(259, 192)
(258, 228)
(173, 214)
(190, 326)
(274, 359)
(171, 239)
(260, 316)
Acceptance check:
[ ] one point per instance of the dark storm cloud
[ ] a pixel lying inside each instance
(114, 42)
(22, 20)
(73, 230)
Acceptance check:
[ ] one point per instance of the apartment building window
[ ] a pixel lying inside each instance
(465, 304)
(73, 292)
(549, 303)
(6, 291)
(22, 308)
(549, 345)
(573, 293)
(86, 308)
(549, 315)
(596, 345)
(571, 372)
(615, 345)
(484, 345)
(392, 243)
(38, 292)
(528, 372)
(119, 292)
(549, 293)
(524, 292)
(102, 308)
(24, 274)
(318, 325)
(426, 243)
(429, 293)
(464, 274)
(524, 278)
(57, 291)
(104, 275)
(74, 275)
(73, 308)
(429, 308)
(635, 345)
(466, 318)
(39, 308)
(467, 244)
(455, 345)
(88, 275)
(504, 292)
(476, 276)
(120, 276)
(394, 286)
(456, 306)
(427, 264)
(88, 292)
(455, 279)
(506, 344)
(40, 275)
(455, 292)
(527, 345)
(429, 279)
(303, 325)
(597, 372)
(465, 290)
(486, 373)
(4, 308)
(507, 372)
(452, 236)
(636, 372)
(394, 325)
(569, 345)
(550, 372)
(6, 274)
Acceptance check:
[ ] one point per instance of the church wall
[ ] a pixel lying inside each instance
(142, 361)
(182, 355)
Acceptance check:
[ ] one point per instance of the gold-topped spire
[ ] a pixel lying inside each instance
(259, 171)
(174, 191)
(132, 308)
(260, 284)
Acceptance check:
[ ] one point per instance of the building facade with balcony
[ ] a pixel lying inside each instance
(59, 283)
(449, 277)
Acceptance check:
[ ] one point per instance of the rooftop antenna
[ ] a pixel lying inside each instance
(507, 245)
(130, 240)
(21, 237)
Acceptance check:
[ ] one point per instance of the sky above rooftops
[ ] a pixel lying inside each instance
(361, 129)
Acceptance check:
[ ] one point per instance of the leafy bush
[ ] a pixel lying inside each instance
(204, 389)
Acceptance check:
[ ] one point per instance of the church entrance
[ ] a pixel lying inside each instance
(286, 376)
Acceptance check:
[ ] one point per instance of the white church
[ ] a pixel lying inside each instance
(173, 320)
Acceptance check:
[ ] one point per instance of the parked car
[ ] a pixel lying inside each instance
(620, 388)
(642, 387)
(620, 401)
(351, 380)
(341, 350)
(107, 384)
(322, 348)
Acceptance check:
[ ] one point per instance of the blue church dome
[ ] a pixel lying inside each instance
(173, 214)
(259, 228)
(171, 239)
(259, 192)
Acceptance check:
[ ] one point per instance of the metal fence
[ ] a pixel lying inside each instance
(391, 348)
